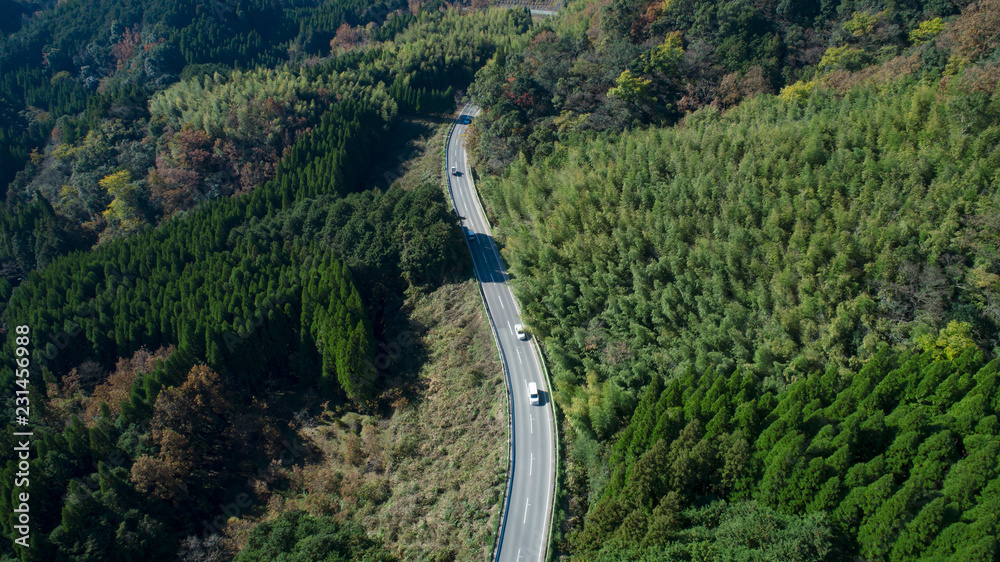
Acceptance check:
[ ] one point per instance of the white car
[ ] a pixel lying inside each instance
(533, 393)
(519, 330)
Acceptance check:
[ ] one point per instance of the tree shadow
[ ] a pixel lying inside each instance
(406, 141)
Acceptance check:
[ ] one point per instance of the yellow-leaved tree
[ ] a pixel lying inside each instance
(950, 342)
(122, 215)
(631, 89)
(926, 31)
(667, 56)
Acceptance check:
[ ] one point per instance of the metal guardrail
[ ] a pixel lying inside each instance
(548, 385)
(503, 363)
(555, 451)
(545, 371)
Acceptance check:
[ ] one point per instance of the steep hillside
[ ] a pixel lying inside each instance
(255, 258)
(103, 159)
(837, 220)
(898, 461)
(606, 66)
(429, 478)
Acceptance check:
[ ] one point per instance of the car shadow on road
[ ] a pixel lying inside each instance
(490, 270)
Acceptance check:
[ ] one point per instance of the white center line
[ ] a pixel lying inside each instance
(465, 194)
(531, 424)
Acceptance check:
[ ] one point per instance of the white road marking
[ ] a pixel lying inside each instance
(531, 425)
(541, 545)
(464, 191)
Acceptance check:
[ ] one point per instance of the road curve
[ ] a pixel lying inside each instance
(525, 522)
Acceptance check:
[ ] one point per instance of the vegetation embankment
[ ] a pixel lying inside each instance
(429, 477)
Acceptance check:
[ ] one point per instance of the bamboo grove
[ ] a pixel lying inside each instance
(817, 241)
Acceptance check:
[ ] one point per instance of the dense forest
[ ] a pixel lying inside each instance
(759, 243)
(194, 229)
(72, 57)
(132, 153)
(897, 461)
(758, 240)
(256, 311)
(608, 66)
(776, 237)
(298, 537)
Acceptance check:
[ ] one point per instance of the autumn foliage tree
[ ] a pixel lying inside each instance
(113, 391)
(124, 214)
(190, 429)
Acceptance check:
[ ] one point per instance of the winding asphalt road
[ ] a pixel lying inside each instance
(525, 526)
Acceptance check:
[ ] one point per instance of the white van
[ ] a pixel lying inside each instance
(533, 393)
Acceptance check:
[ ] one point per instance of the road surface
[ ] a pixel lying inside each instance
(525, 525)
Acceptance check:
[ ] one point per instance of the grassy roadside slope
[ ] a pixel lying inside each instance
(427, 478)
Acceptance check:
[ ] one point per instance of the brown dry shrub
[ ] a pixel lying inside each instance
(980, 78)
(352, 449)
(237, 533)
(118, 386)
(889, 71)
(736, 86)
(976, 33)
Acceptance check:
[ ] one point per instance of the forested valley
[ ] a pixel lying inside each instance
(232, 296)
(758, 241)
